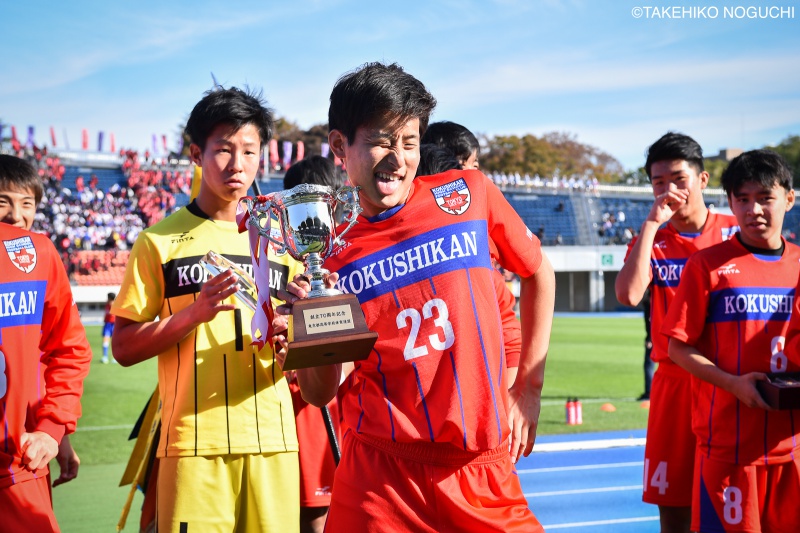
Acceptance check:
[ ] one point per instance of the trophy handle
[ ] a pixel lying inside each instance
(261, 208)
(351, 209)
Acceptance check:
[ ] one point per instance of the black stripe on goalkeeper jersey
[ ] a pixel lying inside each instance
(186, 275)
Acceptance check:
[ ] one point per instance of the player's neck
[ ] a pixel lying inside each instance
(217, 209)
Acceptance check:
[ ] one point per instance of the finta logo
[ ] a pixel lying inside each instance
(660, 245)
(182, 237)
(728, 269)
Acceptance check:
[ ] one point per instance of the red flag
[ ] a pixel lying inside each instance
(301, 151)
(164, 143)
(14, 134)
(113, 144)
(53, 136)
(273, 152)
(85, 139)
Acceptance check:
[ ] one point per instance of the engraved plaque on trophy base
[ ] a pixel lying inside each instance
(328, 330)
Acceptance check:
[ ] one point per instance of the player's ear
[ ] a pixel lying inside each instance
(196, 154)
(337, 141)
(789, 199)
(703, 176)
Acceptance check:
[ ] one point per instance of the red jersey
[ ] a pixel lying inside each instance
(39, 325)
(109, 318)
(734, 307)
(423, 275)
(667, 259)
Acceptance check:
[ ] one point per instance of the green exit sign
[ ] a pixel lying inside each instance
(607, 260)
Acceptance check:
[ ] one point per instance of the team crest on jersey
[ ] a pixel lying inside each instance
(728, 269)
(22, 253)
(452, 198)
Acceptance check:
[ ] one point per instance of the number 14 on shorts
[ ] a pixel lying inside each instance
(658, 478)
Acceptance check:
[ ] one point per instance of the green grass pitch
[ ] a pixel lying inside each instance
(596, 359)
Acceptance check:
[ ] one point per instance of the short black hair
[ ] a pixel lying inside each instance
(110, 296)
(18, 175)
(434, 159)
(377, 91)
(234, 107)
(764, 167)
(675, 146)
(455, 137)
(315, 169)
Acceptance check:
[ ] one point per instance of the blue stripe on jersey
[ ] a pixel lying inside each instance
(746, 303)
(450, 248)
(709, 520)
(460, 399)
(22, 303)
(768, 258)
(667, 272)
(385, 394)
(485, 361)
(424, 404)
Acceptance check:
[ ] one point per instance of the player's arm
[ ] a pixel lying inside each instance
(537, 301)
(635, 275)
(512, 336)
(68, 462)
(743, 387)
(66, 356)
(133, 342)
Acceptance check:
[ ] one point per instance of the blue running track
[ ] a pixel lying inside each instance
(574, 489)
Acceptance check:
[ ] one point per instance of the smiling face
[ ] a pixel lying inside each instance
(18, 208)
(760, 212)
(381, 160)
(678, 174)
(230, 162)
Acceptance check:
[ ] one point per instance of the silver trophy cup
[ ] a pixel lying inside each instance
(306, 216)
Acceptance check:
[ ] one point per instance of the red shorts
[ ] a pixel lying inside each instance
(26, 507)
(317, 465)
(751, 498)
(670, 446)
(425, 487)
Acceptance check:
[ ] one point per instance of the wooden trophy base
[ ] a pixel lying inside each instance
(327, 330)
(782, 391)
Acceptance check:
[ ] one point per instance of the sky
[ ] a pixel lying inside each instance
(617, 74)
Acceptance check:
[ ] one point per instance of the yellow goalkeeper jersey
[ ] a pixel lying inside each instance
(220, 394)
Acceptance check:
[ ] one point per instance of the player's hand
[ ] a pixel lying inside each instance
(744, 388)
(280, 325)
(38, 449)
(523, 419)
(298, 288)
(68, 462)
(666, 204)
(211, 299)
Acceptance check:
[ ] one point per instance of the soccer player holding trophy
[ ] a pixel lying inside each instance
(428, 402)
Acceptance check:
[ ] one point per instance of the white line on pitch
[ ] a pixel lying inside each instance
(599, 444)
(603, 522)
(103, 428)
(582, 491)
(579, 467)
